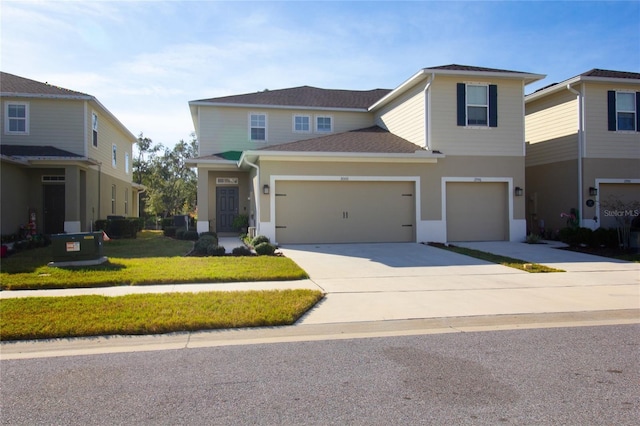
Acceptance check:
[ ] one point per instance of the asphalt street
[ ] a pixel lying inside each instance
(570, 376)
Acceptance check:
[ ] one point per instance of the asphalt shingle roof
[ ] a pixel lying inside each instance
(306, 96)
(35, 151)
(611, 74)
(370, 140)
(457, 67)
(10, 83)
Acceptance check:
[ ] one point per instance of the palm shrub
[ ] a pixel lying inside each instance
(259, 239)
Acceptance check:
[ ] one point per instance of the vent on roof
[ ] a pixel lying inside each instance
(55, 178)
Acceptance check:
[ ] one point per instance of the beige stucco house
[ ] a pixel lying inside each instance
(439, 158)
(583, 149)
(65, 159)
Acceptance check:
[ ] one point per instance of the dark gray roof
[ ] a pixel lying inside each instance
(35, 151)
(306, 96)
(10, 83)
(456, 67)
(370, 140)
(611, 74)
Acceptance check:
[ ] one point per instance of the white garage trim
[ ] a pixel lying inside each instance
(517, 228)
(269, 228)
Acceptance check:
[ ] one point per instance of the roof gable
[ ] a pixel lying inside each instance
(596, 72)
(13, 84)
(305, 96)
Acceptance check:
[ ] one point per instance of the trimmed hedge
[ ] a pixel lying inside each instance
(265, 249)
(119, 228)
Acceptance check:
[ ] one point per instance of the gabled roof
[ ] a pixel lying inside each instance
(370, 140)
(594, 75)
(39, 151)
(469, 68)
(303, 96)
(15, 85)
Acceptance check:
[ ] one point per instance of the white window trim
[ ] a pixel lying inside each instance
(316, 124)
(266, 126)
(467, 105)
(6, 117)
(635, 116)
(114, 155)
(94, 127)
(126, 162)
(293, 123)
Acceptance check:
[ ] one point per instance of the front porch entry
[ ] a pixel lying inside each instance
(226, 208)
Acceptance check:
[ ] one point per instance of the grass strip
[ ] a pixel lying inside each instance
(77, 316)
(161, 270)
(494, 258)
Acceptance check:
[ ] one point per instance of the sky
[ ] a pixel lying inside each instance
(145, 60)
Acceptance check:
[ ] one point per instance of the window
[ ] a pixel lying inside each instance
(477, 104)
(94, 127)
(258, 127)
(126, 162)
(126, 201)
(113, 199)
(301, 123)
(17, 118)
(114, 155)
(623, 108)
(324, 124)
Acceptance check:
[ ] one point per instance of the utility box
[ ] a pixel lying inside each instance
(78, 246)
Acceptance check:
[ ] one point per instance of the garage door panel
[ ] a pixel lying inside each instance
(477, 211)
(344, 212)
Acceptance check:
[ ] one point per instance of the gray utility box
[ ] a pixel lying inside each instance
(79, 246)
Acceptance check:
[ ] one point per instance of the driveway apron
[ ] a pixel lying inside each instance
(396, 281)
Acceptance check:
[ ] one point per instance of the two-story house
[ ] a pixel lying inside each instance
(439, 158)
(66, 160)
(583, 150)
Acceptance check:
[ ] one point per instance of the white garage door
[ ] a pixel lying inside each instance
(344, 212)
(477, 211)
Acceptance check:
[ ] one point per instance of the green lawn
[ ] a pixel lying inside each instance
(51, 317)
(149, 259)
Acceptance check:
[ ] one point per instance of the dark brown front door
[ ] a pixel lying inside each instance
(226, 208)
(53, 208)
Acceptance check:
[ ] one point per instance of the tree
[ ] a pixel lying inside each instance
(171, 183)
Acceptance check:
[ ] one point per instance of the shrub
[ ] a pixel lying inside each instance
(180, 233)
(119, 227)
(209, 233)
(200, 247)
(533, 239)
(241, 251)
(259, 239)
(605, 237)
(169, 231)
(215, 250)
(190, 235)
(265, 249)
(167, 222)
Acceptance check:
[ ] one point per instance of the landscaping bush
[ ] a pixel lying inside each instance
(118, 227)
(190, 235)
(180, 233)
(265, 249)
(241, 251)
(167, 222)
(200, 247)
(209, 233)
(605, 237)
(169, 231)
(259, 239)
(214, 250)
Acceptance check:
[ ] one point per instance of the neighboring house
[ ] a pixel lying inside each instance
(439, 158)
(66, 160)
(583, 150)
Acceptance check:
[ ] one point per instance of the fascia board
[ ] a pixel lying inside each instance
(527, 77)
(262, 106)
(14, 160)
(399, 90)
(575, 80)
(418, 156)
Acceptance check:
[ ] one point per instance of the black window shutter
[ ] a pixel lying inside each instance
(462, 105)
(493, 105)
(637, 111)
(611, 109)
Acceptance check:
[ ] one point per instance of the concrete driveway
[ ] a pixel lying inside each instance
(373, 282)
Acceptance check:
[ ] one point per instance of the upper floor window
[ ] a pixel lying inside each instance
(623, 110)
(324, 124)
(114, 155)
(94, 128)
(301, 123)
(126, 162)
(17, 118)
(477, 104)
(258, 127)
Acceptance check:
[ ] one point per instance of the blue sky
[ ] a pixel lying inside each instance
(145, 60)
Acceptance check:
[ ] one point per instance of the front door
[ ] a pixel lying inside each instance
(226, 208)
(53, 208)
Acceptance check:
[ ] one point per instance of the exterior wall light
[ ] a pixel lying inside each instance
(265, 189)
(593, 191)
(519, 191)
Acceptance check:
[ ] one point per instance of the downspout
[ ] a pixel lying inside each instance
(256, 192)
(427, 112)
(580, 149)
